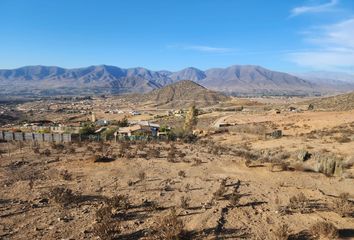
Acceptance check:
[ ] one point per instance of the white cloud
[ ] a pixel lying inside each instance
(314, 8)
(334, 47)
(208, 49)
(203, 48)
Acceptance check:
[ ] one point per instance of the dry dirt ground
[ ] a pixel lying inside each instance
(201, 190)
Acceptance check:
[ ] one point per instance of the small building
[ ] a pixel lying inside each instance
(143, 128)
(134, 130)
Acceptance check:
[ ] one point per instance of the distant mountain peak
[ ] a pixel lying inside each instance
(235, 79)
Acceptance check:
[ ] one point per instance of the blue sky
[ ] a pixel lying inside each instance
(284, 35)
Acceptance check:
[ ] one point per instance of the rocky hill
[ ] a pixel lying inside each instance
(181, 94)
(342, 102)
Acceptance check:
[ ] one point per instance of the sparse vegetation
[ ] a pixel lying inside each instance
(343, 206)
(63, 196)
(323, 229)
(221, 190)
(185, 202)
(169, 227)
(218, 182)
(282, 232)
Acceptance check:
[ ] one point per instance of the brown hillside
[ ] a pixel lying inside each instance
(182, 94)
(340, 102)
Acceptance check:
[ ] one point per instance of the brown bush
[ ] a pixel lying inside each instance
(90, 149)
(185, 202)
(221, 190)
(342, 139)
(168, 228)
(343, 206)
(46, 152)
(282, 232)
(141, 176)
(171, 155)
(65, 175)
(153, 153)
(182, 173)
(119, 202)
(104, 214)
(106, 228)
(197, 162)
(57, 146)
(71, 150)
(324, 230)
(63, 196)
(299, 203)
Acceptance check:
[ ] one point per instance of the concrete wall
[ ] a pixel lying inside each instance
(40, 137)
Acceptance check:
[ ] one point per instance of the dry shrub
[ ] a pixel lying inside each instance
(46, 152)
(234, 199)
(324, 230)
(71, 150)
(171, 155)
(106, 228)
(57, 146)
(343, 206)
(123, 148)
(185, 202)
(221, 190)
(168, 228)
(119, 202)
(153, 153)
(197, 162)
(141, 145)
(342, 139)
(141, 176)
(299, 203)
(245, 153)
(248, 163)
(130, 182)
(151, 205)
(65, 175)
(282, 232)
(63, 196)
(182, 173)
(90, 149)
(104, 214)
(181, 154)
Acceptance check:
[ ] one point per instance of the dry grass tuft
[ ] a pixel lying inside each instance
(324, 230)
(168, 228)
(282, 232)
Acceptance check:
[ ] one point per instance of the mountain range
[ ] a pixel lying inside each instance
(104, 79)
(329, 81)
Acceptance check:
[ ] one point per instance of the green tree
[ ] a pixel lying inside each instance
(121, 123)
(108, 133)
(87, 129)
(190, 120)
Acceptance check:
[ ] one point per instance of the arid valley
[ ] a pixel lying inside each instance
(260, 168)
